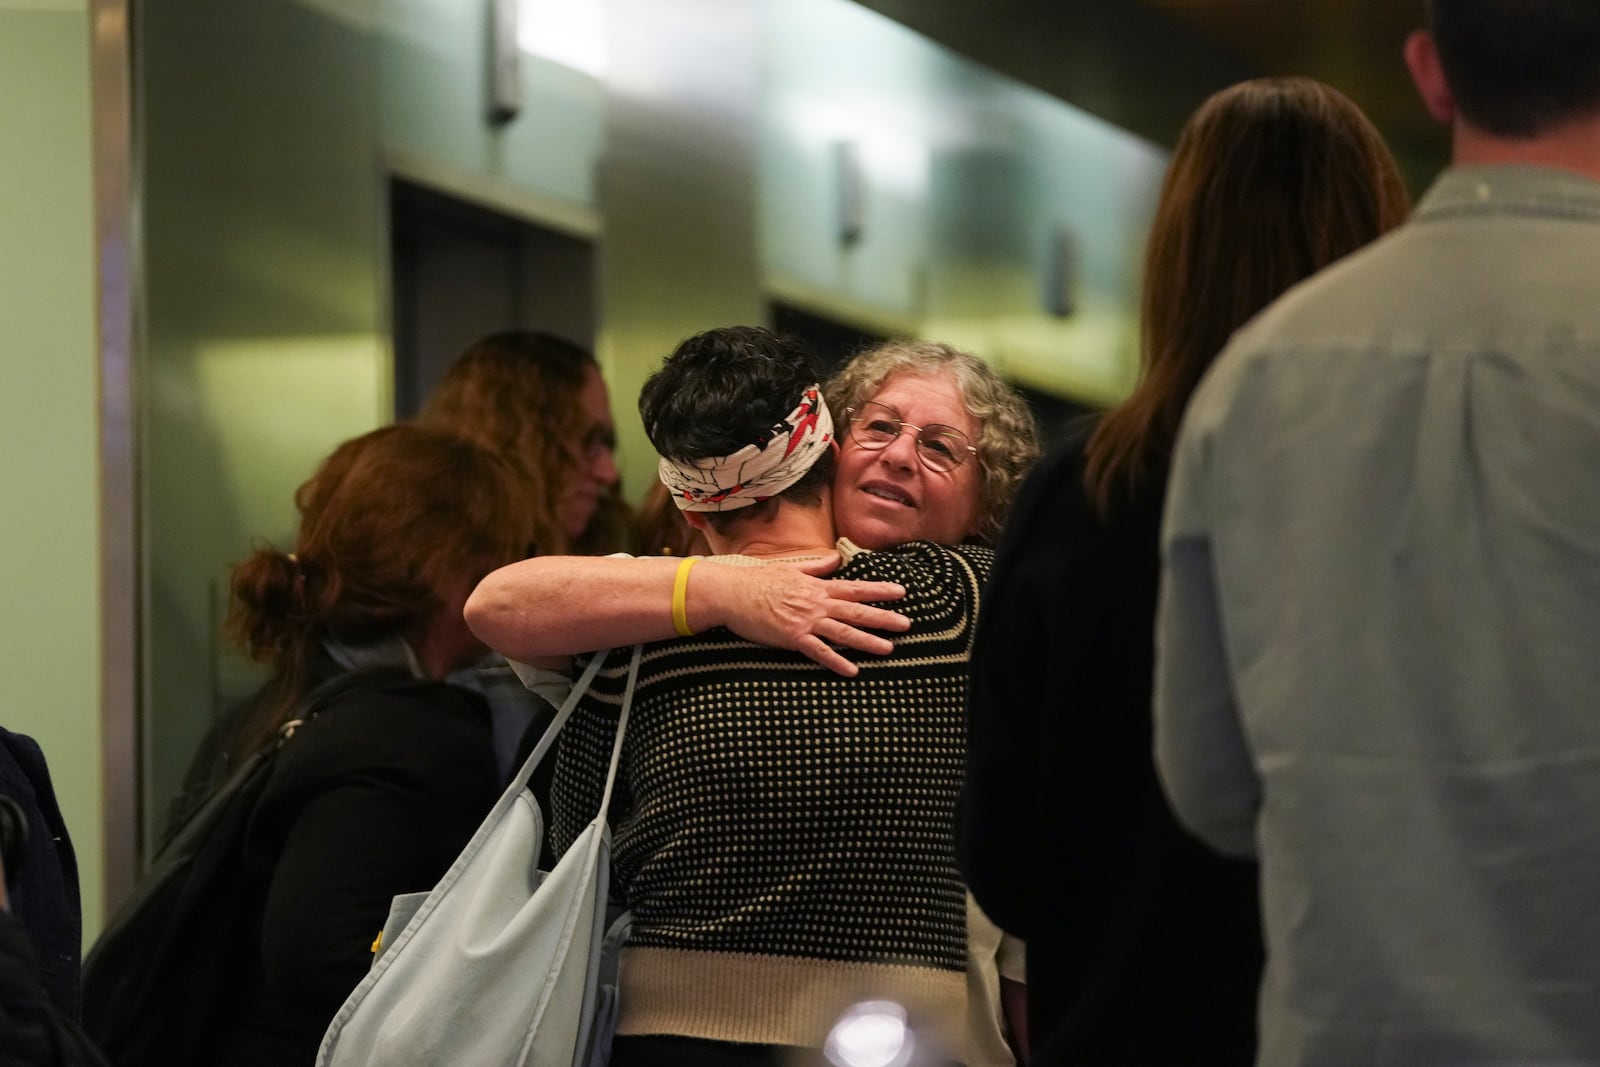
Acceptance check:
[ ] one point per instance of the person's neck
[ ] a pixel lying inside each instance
(445, 645)
(792, 531)
(1573, 147)
(433, 657)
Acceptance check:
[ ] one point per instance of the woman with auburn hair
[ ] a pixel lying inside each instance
(541, 401)
(376, 795)
(1143, 946)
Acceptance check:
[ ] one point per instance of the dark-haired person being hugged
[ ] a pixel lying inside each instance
(782, 833)
(377, 794)
(1377, 667)
(1143, 945)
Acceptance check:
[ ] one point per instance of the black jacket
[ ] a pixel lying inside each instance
(373, 798)
(44, 887)
(33, 1031)
(1143, 946)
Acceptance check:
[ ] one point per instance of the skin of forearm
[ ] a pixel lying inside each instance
(563, 605)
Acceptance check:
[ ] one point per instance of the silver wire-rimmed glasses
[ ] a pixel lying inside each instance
(940, 448)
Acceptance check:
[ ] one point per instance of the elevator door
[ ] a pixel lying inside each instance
(461, 270)
(832, 340)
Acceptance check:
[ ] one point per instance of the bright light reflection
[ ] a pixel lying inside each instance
(569, 32)
(871, 1034)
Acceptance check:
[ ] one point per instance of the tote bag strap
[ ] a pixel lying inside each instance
(519, 781)
(622, 727)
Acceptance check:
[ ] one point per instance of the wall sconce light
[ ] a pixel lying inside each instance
(505, 62)
(849, 191)
(1061, 274)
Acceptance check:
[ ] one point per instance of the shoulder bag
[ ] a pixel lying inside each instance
(501, 964)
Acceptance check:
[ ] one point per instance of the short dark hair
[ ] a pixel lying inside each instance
(721, 391)
(1518, 68)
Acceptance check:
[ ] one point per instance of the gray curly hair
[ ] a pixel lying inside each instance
(1008, 440)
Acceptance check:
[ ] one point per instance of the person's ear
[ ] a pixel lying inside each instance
(696, 520)
(1427, 73)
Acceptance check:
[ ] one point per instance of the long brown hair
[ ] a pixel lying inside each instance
(390, 518)
(516, 391)
(1272, 180)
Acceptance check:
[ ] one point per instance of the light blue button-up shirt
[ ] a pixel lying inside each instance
(1379, 637)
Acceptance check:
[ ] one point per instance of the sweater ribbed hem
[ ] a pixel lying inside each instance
(774, 1000)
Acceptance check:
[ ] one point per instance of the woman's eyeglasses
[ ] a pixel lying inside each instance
(940, 448)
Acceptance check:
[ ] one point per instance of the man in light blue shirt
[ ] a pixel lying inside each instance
(1379, 638)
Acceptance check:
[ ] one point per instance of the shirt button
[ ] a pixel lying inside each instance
(1484, 192)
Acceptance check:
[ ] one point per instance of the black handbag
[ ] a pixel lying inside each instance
(162, 977)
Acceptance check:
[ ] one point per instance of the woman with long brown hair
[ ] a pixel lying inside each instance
(540, 401)
(376, 795)
(1143, 947)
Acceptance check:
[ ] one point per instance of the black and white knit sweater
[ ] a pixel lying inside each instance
(784, 835)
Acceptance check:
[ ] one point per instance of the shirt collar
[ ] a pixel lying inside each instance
(1511, 189)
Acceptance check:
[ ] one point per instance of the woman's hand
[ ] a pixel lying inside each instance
(786, 605)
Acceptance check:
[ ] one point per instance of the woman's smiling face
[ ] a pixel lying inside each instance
(889, 496)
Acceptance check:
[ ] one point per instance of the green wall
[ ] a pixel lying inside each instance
(264, 341)
(49, 577)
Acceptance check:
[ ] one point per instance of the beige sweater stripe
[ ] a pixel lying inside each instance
(776, 1000)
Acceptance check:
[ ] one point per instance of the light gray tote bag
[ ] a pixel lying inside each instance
(499, 965)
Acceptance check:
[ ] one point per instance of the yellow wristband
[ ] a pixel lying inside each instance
(680, 597)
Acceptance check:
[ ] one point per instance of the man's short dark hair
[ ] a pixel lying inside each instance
(720, 391)
(1518, 68)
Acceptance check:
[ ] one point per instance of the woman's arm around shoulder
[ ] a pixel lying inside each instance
(563, 605)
